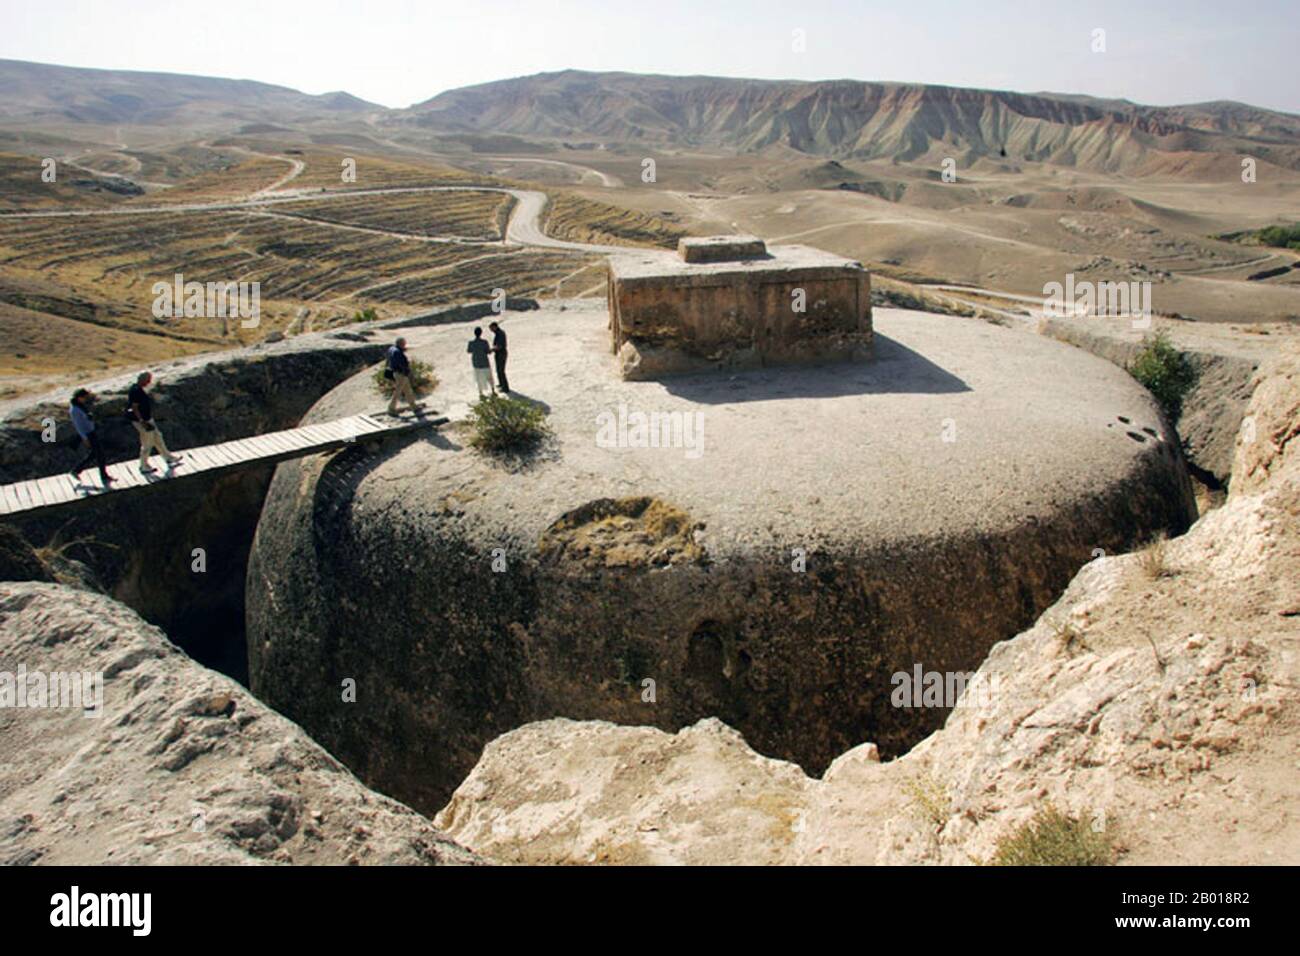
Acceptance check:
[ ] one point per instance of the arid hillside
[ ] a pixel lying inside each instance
(849, 118)
(36, 92)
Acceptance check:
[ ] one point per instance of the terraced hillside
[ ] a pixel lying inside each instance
(297, 261)
(79, 260)
(577, 219)
(464, 215)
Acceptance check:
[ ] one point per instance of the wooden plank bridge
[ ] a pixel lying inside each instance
(39, 495)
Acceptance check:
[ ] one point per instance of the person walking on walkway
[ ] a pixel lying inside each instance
(139, 409)
(398, 370)
(85, 426)
(499, 354)
(478, 354)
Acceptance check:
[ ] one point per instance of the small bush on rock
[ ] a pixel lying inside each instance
(1165, 371)
(1054, 838)
(501, 425)
(931, 803)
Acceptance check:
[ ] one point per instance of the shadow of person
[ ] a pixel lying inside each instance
(438, 439)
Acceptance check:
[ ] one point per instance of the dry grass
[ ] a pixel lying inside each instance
(1055, 838)
(1069, 639)
(1153, 558)
(930, 800)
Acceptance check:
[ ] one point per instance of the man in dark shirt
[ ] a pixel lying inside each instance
(399, 367)
(478, 351)
(85, 426)
(139, 409)
(499, 354)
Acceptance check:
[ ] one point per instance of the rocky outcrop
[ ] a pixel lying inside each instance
(181, 765)
(822, 535)
(1157, 698)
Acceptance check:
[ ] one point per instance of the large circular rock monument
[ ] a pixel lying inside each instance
(765, 545)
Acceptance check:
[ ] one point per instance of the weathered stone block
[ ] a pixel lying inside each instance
(720, 248)
(792, 305)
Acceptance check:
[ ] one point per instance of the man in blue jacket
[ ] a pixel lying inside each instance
(85, 426)
(398, 370)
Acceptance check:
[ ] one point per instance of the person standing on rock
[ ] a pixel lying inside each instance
(398, 370)
(85, 426)
(478, 350)
(139, 409)
(499, 354)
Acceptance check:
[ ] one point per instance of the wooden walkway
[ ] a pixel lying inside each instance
(39, 495)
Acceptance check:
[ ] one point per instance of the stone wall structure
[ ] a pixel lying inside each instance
(730, 302)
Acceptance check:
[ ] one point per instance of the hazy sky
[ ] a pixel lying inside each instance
(397, 52)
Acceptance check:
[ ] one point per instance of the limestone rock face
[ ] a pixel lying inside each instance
(182, 766)
(813, 533)
(634, 795)
(1161, 698)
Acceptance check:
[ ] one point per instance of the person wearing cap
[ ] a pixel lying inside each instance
(85, 426)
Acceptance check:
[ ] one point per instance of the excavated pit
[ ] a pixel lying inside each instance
(835, 526)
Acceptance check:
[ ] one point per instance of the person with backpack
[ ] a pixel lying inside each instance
(139, 411)
(85, 427)
(397, 369)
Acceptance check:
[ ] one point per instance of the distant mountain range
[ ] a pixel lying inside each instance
(32, 93)
(850, 118)
(833, 118)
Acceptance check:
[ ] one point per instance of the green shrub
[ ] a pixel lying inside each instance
(423, 381)
(365, 315)
(1054, 838)
(1165, 371)
(1282, 237)
(504, 425)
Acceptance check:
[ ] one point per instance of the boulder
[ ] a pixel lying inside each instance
(179, 765)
